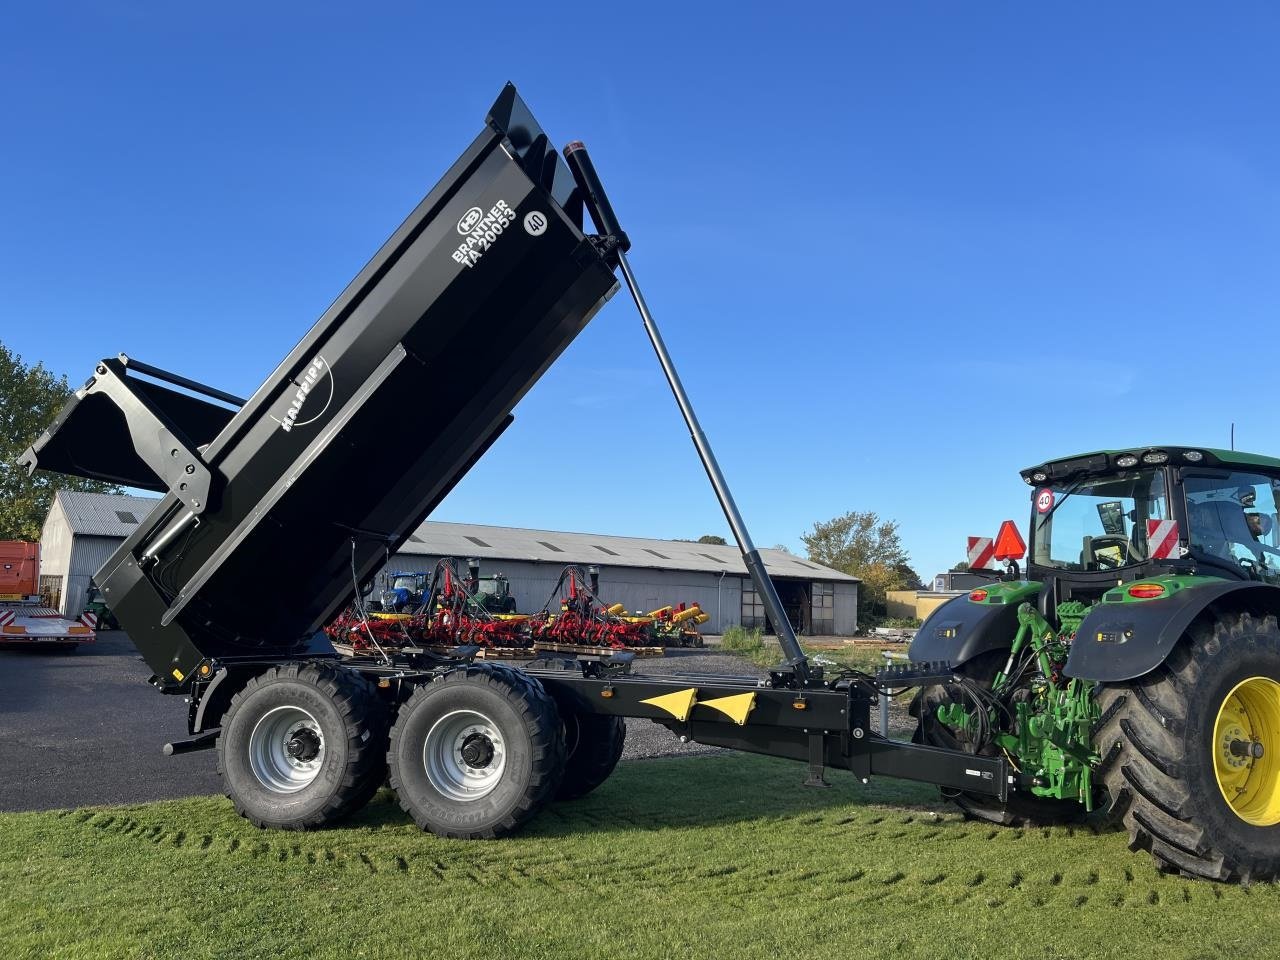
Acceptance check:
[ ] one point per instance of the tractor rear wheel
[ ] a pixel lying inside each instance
(476, 753)
(302, 746)
(594, 745)
(1020, 809)
(1191, 752)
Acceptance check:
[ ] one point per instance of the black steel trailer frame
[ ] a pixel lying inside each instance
(501, 241)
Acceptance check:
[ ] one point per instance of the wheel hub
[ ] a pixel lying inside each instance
(303, 745)
(464, 755)
(1248, 722)
(286, 749)
(477, 750)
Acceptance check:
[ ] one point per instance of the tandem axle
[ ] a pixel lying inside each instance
(825, 723)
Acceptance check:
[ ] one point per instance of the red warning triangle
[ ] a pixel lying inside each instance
(1009, 542)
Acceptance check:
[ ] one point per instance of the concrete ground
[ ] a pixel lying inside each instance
(84, 728)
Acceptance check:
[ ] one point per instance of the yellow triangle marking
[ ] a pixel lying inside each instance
(735, 707)
(678, 704)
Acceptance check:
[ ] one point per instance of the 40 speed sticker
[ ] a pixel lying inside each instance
(481, 230)
(1044, 500)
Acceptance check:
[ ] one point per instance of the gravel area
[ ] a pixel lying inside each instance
(647, 739)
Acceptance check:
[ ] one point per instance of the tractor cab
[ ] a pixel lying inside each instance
(494, 594)
(405, 591)
(1114, 517)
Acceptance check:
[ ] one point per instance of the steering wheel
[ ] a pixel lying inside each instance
(1104, 542)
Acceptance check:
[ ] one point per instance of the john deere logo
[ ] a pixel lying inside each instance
(469, 220)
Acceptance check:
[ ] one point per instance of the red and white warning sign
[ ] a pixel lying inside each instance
(982, 553)
(1044, 500)
(1162, 538)
(6, 617)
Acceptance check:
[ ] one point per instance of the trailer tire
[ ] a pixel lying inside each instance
(476, 753)
(302, 746)
(593, 744)
(1020, 809)
(1167, 775)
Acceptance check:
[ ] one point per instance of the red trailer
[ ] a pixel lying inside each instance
(25, 621)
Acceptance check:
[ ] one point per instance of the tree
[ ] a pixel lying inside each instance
(713, 539)
(862, 545)
(910, 579)
(30, 397)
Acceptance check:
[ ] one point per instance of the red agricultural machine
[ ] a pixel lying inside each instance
(451, 615)
(574, 619)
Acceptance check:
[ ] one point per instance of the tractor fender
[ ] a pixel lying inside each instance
(1121, 641)
(960, 630)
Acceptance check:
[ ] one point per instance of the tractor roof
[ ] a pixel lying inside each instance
(1106, 461)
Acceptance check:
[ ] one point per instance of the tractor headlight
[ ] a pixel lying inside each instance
(1126, 460)
(1155, 457)
(1039, 476)
(1195, 456)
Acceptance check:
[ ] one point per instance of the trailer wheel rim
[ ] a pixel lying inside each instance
(286, 749)
(464, 755)
(1248, 724)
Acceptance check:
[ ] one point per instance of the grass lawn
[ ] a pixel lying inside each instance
(723, 855)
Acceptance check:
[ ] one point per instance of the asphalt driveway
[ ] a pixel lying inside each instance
(84, 728)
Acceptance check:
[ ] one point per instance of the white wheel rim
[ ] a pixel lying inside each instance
(464, 755)
(286, 749)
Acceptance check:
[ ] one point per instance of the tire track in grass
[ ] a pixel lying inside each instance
(793, 861)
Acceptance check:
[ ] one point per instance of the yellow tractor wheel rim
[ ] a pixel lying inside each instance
(1246, 750)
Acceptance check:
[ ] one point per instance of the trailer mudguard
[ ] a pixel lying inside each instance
(1122, 641)
(458, 314)
(960, 630)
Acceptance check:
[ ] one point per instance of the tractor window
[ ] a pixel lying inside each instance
(487, 588)
(1097, 524)
(1233, 518)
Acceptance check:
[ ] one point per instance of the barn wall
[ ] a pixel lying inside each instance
(638, 588)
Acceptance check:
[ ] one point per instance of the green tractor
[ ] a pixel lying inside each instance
(1135, 669)
(494, 594)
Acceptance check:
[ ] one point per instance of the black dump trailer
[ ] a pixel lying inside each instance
(297, 477)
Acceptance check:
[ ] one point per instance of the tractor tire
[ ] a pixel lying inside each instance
(477, 753)
(1020, 809)
(302, 746)
(1167, 741)
(593, 743)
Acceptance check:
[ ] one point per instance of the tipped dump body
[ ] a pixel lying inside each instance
(456, 316)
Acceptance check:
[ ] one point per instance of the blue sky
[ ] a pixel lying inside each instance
(900, 250)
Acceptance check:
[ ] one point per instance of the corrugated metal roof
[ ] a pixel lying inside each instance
(107, 515)
(461, 540)
(104, 514)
